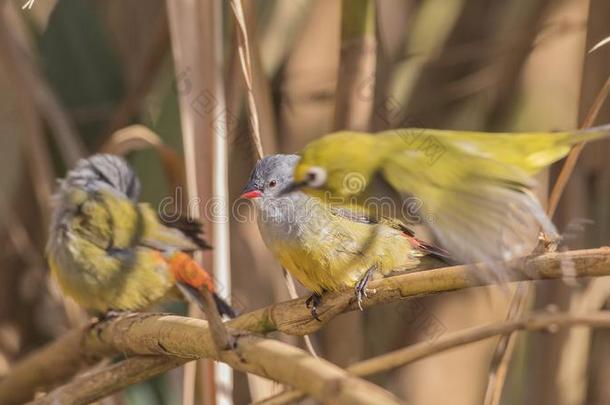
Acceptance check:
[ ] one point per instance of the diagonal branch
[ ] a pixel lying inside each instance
(418, 351)
(572, 159)
(189, 339)
(92, 386)
(246, 67)
(506, 344)
(293, 318)
(76, 349)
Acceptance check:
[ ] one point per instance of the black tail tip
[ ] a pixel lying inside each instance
(223, 307)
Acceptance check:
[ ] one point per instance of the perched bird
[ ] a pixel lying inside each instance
(475, 188)
(110, 253)
(323, 247)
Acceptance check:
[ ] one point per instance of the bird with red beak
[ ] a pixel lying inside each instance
(324, 248)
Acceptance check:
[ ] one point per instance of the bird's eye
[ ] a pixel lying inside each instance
(272, 183)
(316, 177)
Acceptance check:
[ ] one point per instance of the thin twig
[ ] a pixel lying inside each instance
(598, 45)
(139, 137)
(506, 344)
(292, 293)
(418, 351)
(245, 61)
(570, 163)
(246, 67)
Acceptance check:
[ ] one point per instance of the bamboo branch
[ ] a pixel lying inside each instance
(190, 338)
(292, 317)
(92, 386)
(70, 352)
(246, 67)
(418, 351)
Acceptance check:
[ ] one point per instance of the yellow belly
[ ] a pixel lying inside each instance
(328, 265)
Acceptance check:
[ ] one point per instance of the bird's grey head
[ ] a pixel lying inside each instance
(106, 169)
(271, 176)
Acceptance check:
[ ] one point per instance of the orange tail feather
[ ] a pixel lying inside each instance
(186, 270)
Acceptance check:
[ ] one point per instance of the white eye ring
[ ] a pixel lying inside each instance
(316, 176)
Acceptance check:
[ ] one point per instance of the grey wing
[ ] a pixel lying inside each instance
(355, 216)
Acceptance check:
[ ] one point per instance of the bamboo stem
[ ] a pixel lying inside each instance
(418, 351)
(72, 351)
(188, 339)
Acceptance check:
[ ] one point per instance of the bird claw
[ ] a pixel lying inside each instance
(359, 295)
(314, 301)
(112, 313)
(361, 286)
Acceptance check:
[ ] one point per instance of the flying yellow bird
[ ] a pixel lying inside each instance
(110, 253)
(473, 188)
(328, 248)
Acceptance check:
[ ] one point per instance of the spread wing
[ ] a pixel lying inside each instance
(479, 209)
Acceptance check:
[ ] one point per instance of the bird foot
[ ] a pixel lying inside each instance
(111, 314)
(314, 301)
(549, 243)
(361, 286)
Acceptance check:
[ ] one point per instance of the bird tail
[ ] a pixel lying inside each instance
(191, 279)
(434, 256)
(195, 295)
(191, 228)
(589, 134)
(431, 250)
(224, 308)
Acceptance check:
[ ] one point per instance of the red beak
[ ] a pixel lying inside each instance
(251, 194)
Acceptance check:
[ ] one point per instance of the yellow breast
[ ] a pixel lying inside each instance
(339, 258)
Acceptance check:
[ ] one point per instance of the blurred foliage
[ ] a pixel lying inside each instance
(82, 66)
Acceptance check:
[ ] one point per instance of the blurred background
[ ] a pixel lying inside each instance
(73, 72)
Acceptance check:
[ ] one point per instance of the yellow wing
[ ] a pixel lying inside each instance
(529, 151)
(478, 208)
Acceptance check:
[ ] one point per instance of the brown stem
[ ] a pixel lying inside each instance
(189, 339)
(92, 386)
(418, 351)
(69, 353)
(570, 163)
